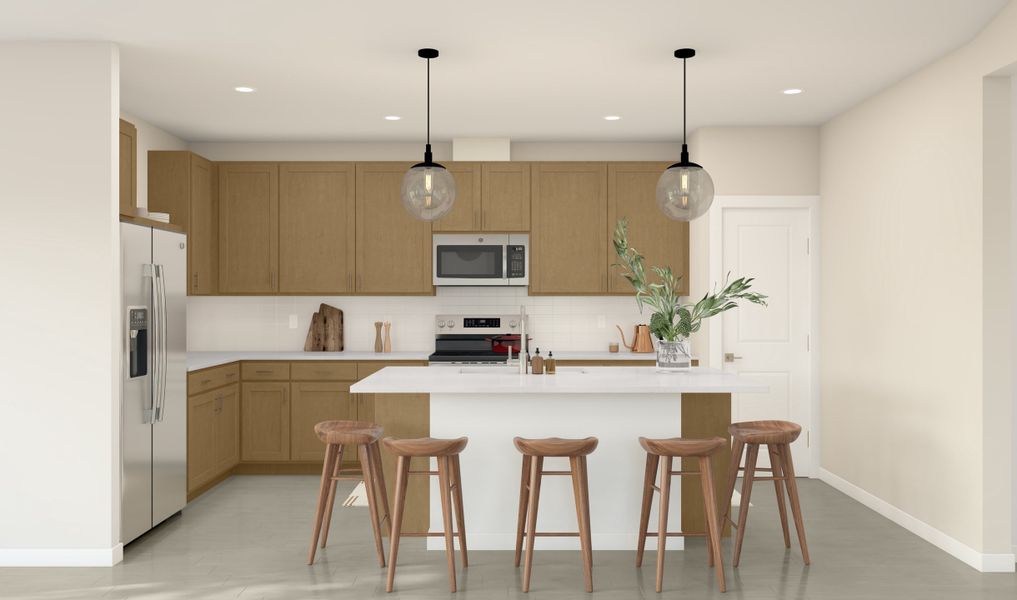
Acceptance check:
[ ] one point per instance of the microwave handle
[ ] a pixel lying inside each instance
(504, 262)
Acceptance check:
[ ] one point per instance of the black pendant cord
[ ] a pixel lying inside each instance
(685, 87)
(427, 146)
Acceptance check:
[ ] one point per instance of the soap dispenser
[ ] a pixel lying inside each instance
(549, 364)
(537, 364)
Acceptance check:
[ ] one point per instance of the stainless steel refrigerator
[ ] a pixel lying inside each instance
(153, 437)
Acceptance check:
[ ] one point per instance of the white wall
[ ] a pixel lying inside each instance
(59, 434)
(916, 406)
(150, 137)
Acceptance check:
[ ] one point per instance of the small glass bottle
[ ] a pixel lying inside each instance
(537, 364)
(549, 364)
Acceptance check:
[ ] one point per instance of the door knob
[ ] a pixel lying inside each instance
(730, 357)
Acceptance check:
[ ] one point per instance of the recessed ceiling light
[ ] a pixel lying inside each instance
(612, 118)
(392, 117)
(243, 89)
(792, 91)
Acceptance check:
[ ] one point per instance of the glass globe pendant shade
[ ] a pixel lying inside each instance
(685, 192)
(428, 191)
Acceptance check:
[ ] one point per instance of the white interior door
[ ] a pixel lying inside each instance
(771, 343)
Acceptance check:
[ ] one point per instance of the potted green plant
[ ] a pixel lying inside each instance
(673, 321)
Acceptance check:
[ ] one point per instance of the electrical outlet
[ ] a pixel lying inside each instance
(293, 321)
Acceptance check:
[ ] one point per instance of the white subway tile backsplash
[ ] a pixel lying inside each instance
(262, 322)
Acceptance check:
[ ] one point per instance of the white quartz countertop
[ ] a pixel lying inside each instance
(568, 380)
(204, 360)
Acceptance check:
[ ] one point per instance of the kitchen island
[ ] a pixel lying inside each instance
(491, 405)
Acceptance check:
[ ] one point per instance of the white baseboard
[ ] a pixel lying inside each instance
(986, 563)
(61, 557)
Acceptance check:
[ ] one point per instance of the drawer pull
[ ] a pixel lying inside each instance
(263, 372)
(322, 373)
(206, 381)
(231, 374)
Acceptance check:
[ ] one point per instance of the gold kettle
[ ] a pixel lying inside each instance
(641, 342)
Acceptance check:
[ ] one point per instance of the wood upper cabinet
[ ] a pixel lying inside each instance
(393, 248)
(265, 421)
(248, 228)
(505, 196)
(128, 167)
(465, 214)
(569, 217)
(317, 230)
(312, 403)
(227, 428)
(185, 185)
(201, 444)
(631, 195)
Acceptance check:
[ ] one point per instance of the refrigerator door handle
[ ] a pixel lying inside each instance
(160, 311)
(148, 410)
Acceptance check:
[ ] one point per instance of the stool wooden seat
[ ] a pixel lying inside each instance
(534, 452)
(420, 447)
(777, 436)
(337, 436)
(660, 455)
(449, 487)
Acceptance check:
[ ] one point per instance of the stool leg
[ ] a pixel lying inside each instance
(381, 493)
(523, 497)
(792, 492)
(536, 466)
(644, 515)
(457, 499)
(580, 492)
(402, 474)
(778, 486)
(326, 480)
(712, 525)
(666, 463)
(737, 448)
(330, 503)
(446, 516)
(367, 466)
(743, 511)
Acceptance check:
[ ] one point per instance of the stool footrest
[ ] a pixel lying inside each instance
(423, 534)
(676, 534)
(554, 534)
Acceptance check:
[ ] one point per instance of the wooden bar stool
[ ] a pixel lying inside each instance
(660, 455)
(777, 437)
(363, 435)
(534, 451)
(449, 487)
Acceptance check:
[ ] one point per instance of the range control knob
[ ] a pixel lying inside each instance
(451, 323)
(441, 323)
(513, 324)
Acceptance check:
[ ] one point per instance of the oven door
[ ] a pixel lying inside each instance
(470, 260)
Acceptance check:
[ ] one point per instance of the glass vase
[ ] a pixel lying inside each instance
(674, 356)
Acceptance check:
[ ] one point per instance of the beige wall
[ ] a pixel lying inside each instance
(916, 401)
(747, 161)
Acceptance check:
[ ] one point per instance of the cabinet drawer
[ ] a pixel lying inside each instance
(323, 371)
(265, 371)
(207, 379)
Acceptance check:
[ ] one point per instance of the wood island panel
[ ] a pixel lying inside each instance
(704, 416)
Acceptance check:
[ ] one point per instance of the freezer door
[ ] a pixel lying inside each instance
(136, 392)
(169, 435)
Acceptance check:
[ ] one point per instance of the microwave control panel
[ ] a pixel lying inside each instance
(516, 261)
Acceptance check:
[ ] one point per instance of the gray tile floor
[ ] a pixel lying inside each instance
(248, 538)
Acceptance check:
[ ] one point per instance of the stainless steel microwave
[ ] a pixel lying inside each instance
(464, 259)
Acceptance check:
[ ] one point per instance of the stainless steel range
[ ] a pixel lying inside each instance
(476, 339)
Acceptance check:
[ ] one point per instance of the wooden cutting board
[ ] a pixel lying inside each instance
(325, 333)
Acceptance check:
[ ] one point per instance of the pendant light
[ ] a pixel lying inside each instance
(428, 190)
(685, 190)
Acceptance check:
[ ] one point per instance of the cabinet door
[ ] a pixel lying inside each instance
(393, 248)
(128, 167)
(316, 228)
(312, 404)
(248, 227)
(265, 422)
(465, 213)
(201, 416)
(203, 227)
(569, 219)
(506, 196)
(631, 195)
(227, 428)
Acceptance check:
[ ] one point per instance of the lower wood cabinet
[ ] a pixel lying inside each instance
(265, 421)
(213, 436)
(312, 403)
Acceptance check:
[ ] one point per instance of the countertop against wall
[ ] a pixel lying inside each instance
(204, 360)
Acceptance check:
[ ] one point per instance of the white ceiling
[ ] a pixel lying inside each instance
(530, 70)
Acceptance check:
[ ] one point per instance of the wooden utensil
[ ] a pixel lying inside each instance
(377, 336)
(388, 336)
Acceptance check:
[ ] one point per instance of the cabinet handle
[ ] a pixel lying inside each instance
(206, 381)
(477, 219)
(263, 372)
(230, 375)
(360, 282)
